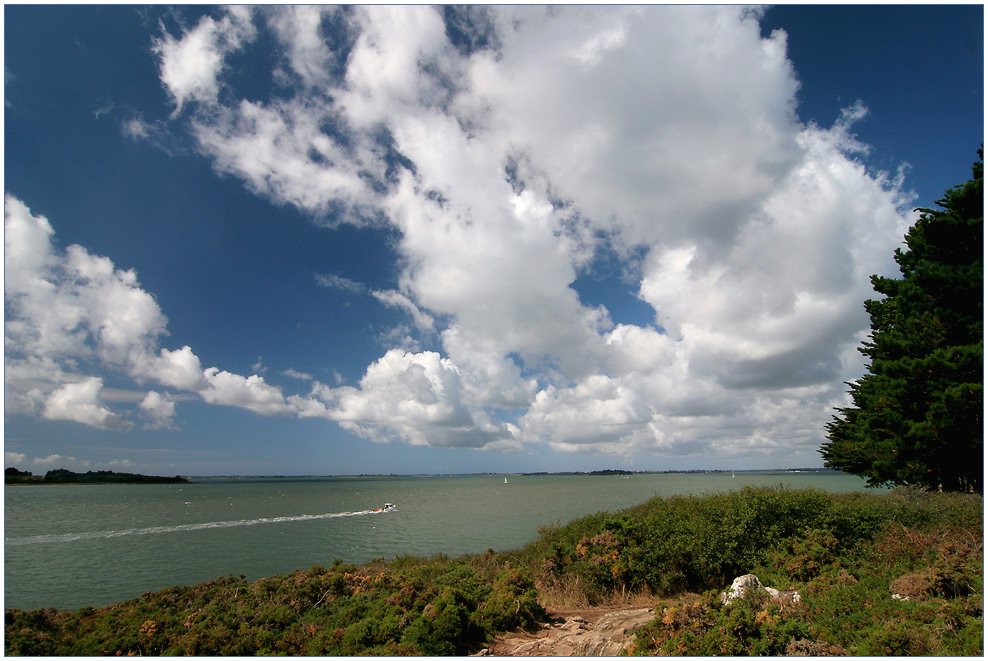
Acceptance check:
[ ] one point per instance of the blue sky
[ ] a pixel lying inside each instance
(427, 240)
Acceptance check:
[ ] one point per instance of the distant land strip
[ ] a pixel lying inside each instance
(63, 476)
(14, 476)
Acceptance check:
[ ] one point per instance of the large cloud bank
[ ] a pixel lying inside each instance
(512, 148)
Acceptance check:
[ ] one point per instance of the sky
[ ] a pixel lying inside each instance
(411, 239)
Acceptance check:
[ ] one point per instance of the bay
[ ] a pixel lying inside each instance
(69, 546)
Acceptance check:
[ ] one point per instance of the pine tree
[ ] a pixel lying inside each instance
(916, 414)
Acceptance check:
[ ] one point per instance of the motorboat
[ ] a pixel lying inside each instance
(387, 508)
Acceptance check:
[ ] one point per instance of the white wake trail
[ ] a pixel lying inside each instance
(185, 527)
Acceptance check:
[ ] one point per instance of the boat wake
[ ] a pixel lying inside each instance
(185, 527)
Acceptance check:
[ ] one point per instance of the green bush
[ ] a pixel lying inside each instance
(412, 606)
(695, 543)
(753, 626)
(846, 563)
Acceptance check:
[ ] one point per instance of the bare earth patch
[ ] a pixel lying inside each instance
(583, 632)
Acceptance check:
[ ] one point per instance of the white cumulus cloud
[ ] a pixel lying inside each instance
(72, 316)
(508, 160)
(250, 392)
(413, 397)
(79, 402)
(14, 459)
(190, 67)
(666, 135)
(159, 408)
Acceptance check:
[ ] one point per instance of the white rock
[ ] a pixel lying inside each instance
(749, 583)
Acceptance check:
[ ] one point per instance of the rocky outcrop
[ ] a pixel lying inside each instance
(575, 635)
(613, 632)
(749, 583)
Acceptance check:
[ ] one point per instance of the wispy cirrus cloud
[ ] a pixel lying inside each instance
(333, 281)
(389, 297)
(295, 374)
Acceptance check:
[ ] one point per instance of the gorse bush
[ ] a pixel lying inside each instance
(879, 575)
(756, 626)
(847, 554)
(690, 543)
(410, 607)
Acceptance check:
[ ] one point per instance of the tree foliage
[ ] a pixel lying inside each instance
(64, 476)
(916, 414)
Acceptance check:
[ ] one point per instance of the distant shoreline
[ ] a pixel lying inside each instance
(14, 477)
(596, 473)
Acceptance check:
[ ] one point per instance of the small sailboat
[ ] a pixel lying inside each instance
(505, 480)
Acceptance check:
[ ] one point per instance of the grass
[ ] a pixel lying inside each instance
(846, 554)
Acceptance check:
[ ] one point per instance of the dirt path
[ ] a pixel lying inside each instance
(584, 632)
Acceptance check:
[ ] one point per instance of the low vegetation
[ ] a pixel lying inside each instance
(410, 606)
(898, 573)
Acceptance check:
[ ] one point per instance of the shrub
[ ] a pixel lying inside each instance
(413, 606)
(696, 543)
(845, 553)
(752, 626)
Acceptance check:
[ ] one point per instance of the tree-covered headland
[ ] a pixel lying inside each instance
(64, 476)
(916, 416)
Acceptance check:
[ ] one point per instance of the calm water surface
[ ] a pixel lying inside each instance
(70, 546)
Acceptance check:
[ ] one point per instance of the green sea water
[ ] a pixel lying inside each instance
(70, 546)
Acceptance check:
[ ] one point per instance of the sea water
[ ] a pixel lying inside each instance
(70, 546)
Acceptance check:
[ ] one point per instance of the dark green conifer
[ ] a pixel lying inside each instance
(916, 414)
